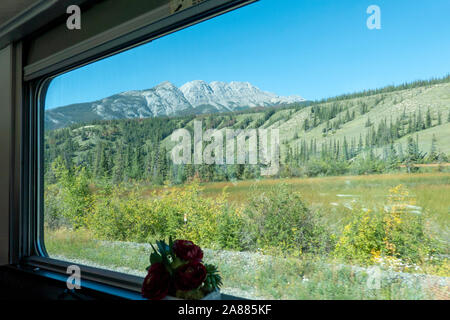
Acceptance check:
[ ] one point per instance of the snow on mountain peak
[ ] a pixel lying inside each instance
(165, 85)
(165, 99)
(231, 95)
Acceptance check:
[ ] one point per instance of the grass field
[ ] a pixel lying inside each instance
(336, 196)
(254, 275)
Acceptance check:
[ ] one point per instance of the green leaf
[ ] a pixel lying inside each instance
(213, 279)
(155, 257)
(171, 247)
(164, 250)
(151, 244)
(160, 245)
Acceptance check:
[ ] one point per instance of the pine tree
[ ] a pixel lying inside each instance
(306, 125)
(413, 155)
(347, 116)
(410, 125)
(149, 163)
(137, 167)
(101, 161)
(393, 158)
(400, 152)
(428, 119)
(119, 164)
(338, 149)
(129, 154)
(346, 151)
(420, 125)
(162, 165)
(353, 148)
(315, 121)
(360, 144)
(433, 156)
(363, 108)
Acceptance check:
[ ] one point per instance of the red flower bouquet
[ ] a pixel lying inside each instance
(176, 269)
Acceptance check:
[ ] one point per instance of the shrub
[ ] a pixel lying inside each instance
(393, 233)
(279, 219)
(327, 167)
(405, 234)
(178, 212)
(202, 215)
(69, 200)
(125, 219)
(361, 238)
(367, 165)
(230, 228)
(53, 217)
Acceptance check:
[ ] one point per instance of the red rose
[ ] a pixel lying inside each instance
(156, 283)
(187, 250)
(190, 276)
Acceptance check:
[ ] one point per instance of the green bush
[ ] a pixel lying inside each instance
(125, 219)
(362, 238)
(279, 219)
(367, 165)
(391, 233)
(53, 208)
(328, 167)
(230, 229)
(69, 201)
(178, 212)
(275, 219)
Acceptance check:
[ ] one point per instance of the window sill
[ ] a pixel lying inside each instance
(49, 273)
(53, 286)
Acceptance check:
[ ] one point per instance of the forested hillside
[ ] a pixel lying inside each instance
(368, 132)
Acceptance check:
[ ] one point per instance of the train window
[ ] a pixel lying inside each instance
(303, 145)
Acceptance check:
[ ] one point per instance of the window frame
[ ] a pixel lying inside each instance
(32, 253)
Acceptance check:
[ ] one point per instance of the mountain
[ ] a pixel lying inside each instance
(231, 96)
(165, 99)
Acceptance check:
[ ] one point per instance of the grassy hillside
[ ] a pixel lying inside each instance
(380, 106)
(338, 130)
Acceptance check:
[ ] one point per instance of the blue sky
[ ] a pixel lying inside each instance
(312, 48)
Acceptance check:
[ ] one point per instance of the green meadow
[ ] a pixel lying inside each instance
(263, 274)
(337, 196)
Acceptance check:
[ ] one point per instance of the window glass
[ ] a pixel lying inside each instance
(304, 145)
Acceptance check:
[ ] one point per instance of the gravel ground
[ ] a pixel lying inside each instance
(249, 261)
